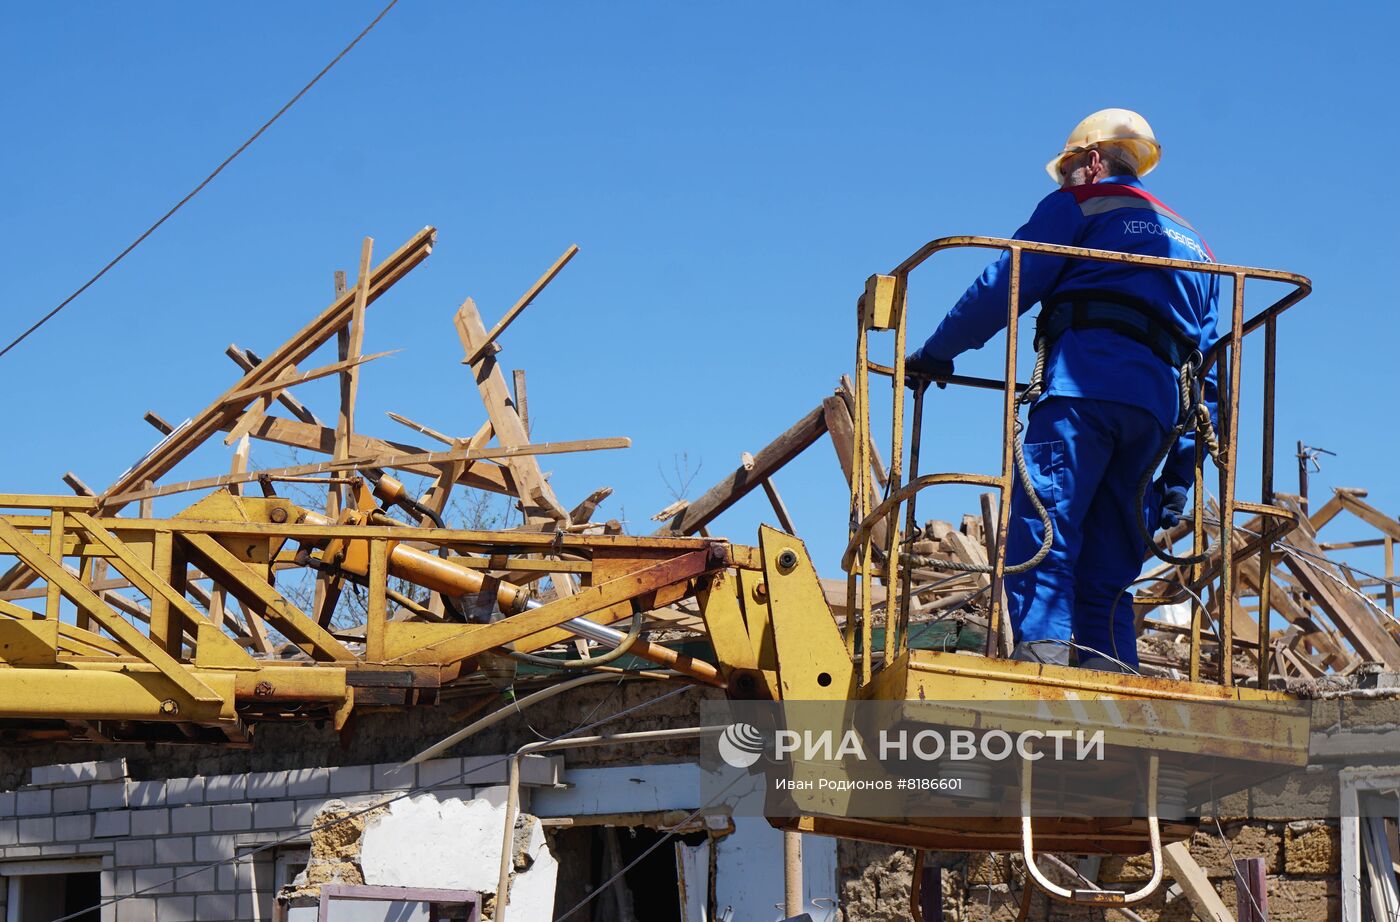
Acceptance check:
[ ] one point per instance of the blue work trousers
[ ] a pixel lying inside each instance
(1086, 458)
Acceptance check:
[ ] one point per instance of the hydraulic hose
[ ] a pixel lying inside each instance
(590, 662)
(1023, 474)
(1193, 410)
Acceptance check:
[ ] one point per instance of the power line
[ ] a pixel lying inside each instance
(199, 188)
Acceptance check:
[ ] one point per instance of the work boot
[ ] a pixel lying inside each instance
(1050, 652)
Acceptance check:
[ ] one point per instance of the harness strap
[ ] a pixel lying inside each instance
(1123, 314)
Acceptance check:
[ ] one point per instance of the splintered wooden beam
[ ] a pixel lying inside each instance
(273, 388)
(481, 347)
(449, 474)
(255, 413)
(1195, 884)
(160, 425)
(536, 495)
(76, 484)
(352, 343)
(1349, 614)
(737, 485)
(247, 360)
(220, 413)
(1369, 514)
(422, 429)
(432, 457)
(489, 477)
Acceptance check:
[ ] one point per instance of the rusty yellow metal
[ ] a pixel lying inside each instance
(812, 661)
(879, 302)
(724, 623)
(125, 633)
(29, 643)
(857, 560)
(119, 691)
(758, 615)
(72, 639)
(252, 589)
(1240, 723)
(57, 525)
(212, 646)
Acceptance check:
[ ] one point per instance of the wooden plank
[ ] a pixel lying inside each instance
(258, 411)
(351, 344)
(423, 429)
(160, 425)
(220, 413)
(272, 388)
(1370, 515)
(1325, 513)
(737, 485)
(484, 476)
(479, 352)
(131, 639)
(779, 507)
(1358, 625)
(536, 495)
(1380, 868)
(432, 457)
(328, 584)
(522, 398)
(77, 486)
(1195, 884)
(1280, 602)
(257, 632)
(247, 360)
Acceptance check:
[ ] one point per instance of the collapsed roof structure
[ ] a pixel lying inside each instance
(91, 590)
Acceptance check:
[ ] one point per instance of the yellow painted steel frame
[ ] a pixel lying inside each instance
(882, 307)
(775, 638)
(173, 672)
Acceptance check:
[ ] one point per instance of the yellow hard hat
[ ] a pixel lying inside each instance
(1123, 129)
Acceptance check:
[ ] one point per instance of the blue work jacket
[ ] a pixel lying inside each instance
(1116, 214)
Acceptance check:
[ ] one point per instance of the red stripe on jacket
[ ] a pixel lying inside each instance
(1102, 189)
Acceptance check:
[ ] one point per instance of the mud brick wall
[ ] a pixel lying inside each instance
(1301, 859)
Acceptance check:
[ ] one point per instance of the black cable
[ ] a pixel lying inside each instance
(199, 188)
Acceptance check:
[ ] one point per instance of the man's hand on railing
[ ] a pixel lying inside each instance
(918, 366)
(1171, 503)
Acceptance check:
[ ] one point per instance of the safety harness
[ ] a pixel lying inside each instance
(1110, 310)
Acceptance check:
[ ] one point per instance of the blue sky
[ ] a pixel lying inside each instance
(731, 172)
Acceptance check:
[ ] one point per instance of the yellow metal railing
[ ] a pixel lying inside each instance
(875, 535)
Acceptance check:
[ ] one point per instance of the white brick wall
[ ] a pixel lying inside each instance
(168, 845)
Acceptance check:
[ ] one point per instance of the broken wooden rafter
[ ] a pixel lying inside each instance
(247, 360)
(701, 512)
(221, 413)
(484, 476)
(432, 457)
(484, 344)
(536, 495)
(262, 403)
(325, 371)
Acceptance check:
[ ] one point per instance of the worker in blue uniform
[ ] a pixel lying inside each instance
(1117, 336)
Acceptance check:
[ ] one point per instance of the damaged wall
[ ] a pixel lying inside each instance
(1301, 861)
